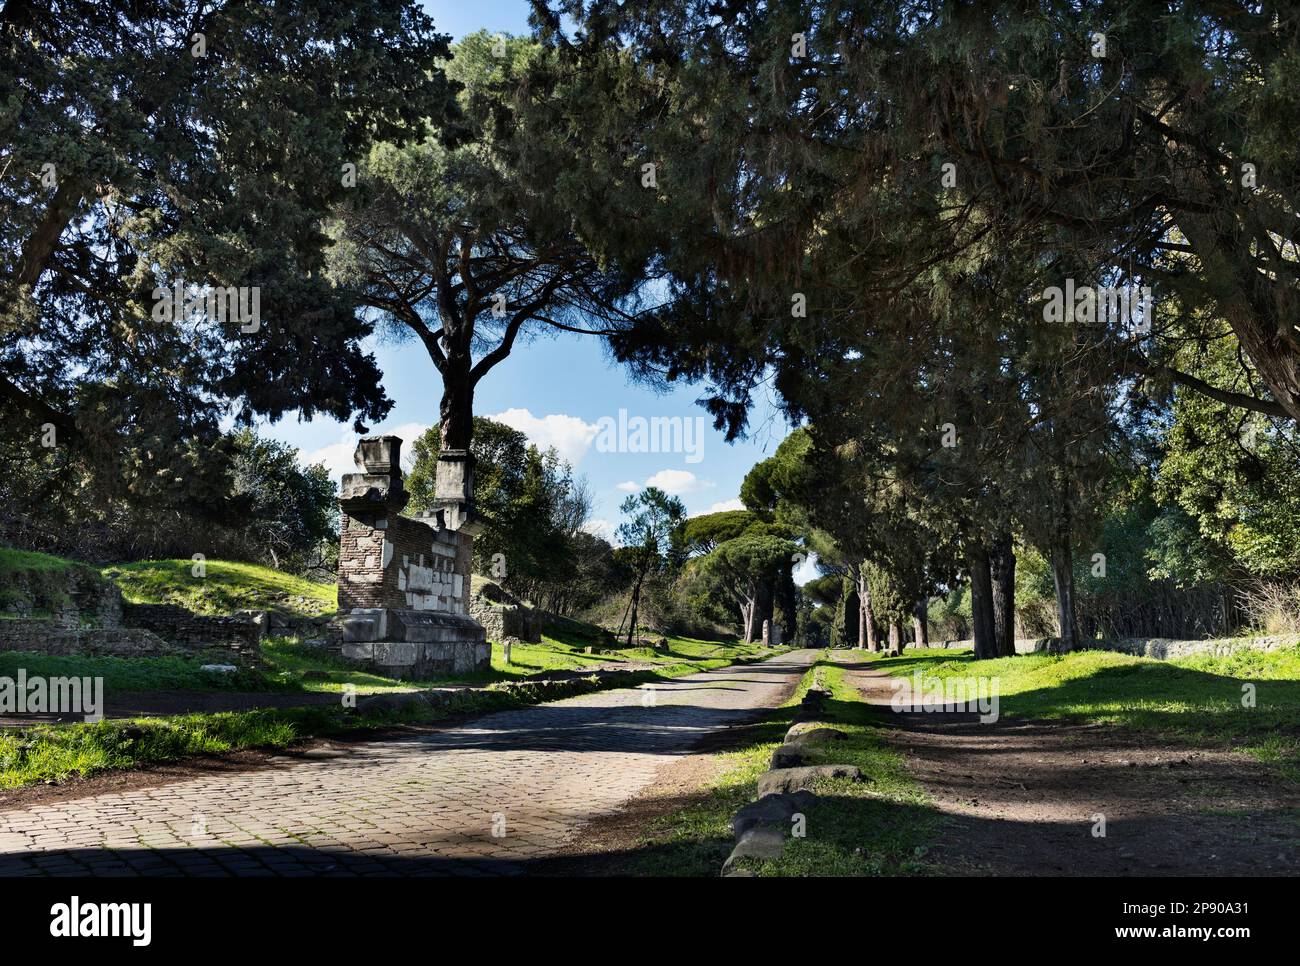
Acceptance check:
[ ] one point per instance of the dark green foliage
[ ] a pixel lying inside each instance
(243, 498)
(533, 543)
(211, 170)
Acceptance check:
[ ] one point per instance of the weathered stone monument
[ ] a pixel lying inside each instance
(404, 581)
(771, 634)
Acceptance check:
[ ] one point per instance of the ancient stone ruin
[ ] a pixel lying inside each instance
(503, 615)
(404, 582)
(87, 615)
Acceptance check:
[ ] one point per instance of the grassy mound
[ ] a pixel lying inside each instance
(225, 587)
(13, 561)
(39, 584)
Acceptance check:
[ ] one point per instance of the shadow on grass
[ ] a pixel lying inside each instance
(1166, 697)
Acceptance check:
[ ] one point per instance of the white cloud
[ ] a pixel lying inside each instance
(337, 457)
(725, 505)
(570, 436)
(628, 486)
(601, 528)
(807, 570)
(678, 482)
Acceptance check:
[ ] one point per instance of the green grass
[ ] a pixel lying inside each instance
(566, 652)
(12, 561)
(289, 662)
(1196, 698)
(226, 586)
(877, 827)
(139, 673)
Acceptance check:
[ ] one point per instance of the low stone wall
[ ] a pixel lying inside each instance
(76, 597)
(501, 620)
(1164, 649)
(191, 632)
(48, 637)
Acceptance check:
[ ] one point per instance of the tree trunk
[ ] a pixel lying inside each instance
(1063, 579)
(862, 624)
(785, 609)
(751, 613)
(456, 410)
(636, 600)
(867, 617)
(1002, 571)
(1266, 335)
(981, 601)
(764, 602)
(895, 637)
(921, 622)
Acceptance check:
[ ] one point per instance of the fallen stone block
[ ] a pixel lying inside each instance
(764, 842)
(358, 628)
(807, 733)
(774, 810)
(789, 756)
(218, 668)
(359, 652)
(785, 781)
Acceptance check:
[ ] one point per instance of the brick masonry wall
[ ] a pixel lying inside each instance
(402, 563)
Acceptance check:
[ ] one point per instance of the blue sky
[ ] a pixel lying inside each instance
(554, 389)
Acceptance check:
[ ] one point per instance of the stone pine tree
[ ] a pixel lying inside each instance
(459, 249)
(849, 189)
(743, 570)
(151, 145)
(738, 556)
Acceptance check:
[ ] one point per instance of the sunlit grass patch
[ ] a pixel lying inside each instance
(225, 586)
(1203, 698)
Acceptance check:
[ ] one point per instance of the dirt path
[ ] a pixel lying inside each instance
(497, 794)
(1023, 798)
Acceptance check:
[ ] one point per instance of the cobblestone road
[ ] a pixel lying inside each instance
(482, 798)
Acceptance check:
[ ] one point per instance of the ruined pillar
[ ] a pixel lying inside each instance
(771, 634)
(404, 581)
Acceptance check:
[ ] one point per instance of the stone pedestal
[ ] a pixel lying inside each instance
(404, 581)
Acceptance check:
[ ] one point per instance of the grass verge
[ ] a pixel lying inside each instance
(1203, 699)
(122, 674)
(312, 669)
(880, 826)
(291, 666)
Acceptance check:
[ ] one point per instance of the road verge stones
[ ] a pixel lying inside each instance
(763, 827)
